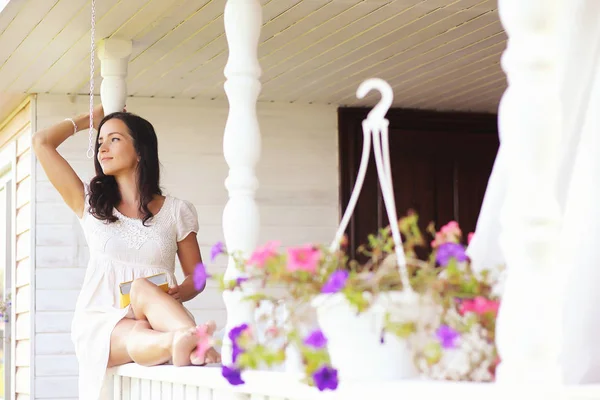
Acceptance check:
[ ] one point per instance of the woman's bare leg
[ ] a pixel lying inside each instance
(164, 314)
(133, 340)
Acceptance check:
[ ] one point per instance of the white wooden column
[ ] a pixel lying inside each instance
(114, 59)
(241, 147)
(529, 324)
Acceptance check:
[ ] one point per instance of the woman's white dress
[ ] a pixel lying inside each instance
(120, 252)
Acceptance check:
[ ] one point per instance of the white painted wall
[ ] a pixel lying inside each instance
(298, 199)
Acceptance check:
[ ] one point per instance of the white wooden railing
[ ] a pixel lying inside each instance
(134, 382)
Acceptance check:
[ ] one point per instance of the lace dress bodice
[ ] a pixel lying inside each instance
(130, 241)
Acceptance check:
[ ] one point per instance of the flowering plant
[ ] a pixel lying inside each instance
(460, 343)
(457, 343)
(5, 308)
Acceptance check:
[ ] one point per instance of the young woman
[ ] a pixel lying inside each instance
(133, 232)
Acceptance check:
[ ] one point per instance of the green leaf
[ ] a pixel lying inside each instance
(401, 329)
(247, 360)
(432, 352)
(256, 297)
(356, 299)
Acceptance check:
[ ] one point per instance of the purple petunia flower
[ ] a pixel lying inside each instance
(216, 250)
(447, 251)
(447, 336)
(336, 282)
(316, 339)
(233, 375)
(240, 280)
(326, 378)
(200, 277)
(234, 334)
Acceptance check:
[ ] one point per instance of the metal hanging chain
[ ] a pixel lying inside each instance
(90, 151)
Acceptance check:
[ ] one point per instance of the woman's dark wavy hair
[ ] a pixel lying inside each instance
(104, 192)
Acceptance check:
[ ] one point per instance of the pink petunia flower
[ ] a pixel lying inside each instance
(204, 342)
(273, 331)
(451, 228)
(449, 233)
(303, 258)
(479, 305)
(262, 254)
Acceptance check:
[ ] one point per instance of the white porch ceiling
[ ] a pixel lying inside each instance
(437, 54)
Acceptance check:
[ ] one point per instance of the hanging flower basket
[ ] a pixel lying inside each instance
(385, 319)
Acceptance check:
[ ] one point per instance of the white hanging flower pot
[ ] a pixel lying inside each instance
(355, 343)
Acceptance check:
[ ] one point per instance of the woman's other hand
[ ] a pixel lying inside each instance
(174, 293)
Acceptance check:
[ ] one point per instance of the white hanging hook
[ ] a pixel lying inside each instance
(387, 96)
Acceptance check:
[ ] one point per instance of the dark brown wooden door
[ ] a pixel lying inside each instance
(441, 163)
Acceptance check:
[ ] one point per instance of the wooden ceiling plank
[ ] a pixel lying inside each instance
(372, 25)
(278, 15)
(211, 37)
(166, 24)
(73, 49)
(316, 55)
(59, 45)
(454, 76)
(9, 13)
(173, 45)
(434, 63)
(468, 88)
(53, 23)
(467, 71)
(433, 93)
(420, 40)
(152, 33)
(272, 11)
(22, 25)
(80, 74)
(487, 96)
(491, 51)
(407, 31)
(105, 26)
(315, 24)
(284, 43)
(449, 41)
(76, 61)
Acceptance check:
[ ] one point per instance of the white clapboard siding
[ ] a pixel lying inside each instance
(16, 129)
(298, 201)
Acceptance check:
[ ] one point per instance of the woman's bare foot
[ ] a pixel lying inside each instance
(184, 342)
(212, 356)
(183, 350)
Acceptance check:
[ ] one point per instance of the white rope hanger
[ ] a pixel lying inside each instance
(375, 127)
(90, 151)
